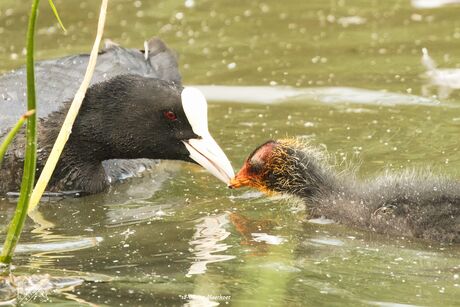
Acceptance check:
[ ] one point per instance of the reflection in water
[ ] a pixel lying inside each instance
(431, 4)
(65, 245)
(248, 195)
(144, 188)
(254, 233)
(42, 226)
(118, 170)
(23, 289)
(321, 221)
(445, 80)
(131, 202)
(266, 238)
(330, 95)
(326, 241)
(253, 230)
(209, 233)
(390, 304)
(123, 215)
(28, 287)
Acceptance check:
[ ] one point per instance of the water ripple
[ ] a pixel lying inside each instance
(206, 243)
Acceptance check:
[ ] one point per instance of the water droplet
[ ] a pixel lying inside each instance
(231, 65)
(179, 15)
(189, 3)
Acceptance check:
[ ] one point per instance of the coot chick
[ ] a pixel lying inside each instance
(129, 116)
(412, 204)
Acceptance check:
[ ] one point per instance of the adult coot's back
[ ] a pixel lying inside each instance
(57, 80)
(136, 108)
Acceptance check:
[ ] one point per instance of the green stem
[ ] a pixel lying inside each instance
(12, 133)
(28, 177)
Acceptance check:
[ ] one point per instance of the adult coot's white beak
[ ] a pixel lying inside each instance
(204, 150)
(208, 154)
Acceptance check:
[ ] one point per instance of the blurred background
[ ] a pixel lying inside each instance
(349, 75)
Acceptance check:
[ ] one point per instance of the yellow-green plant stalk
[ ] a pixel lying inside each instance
(66, 128)
(12, 133)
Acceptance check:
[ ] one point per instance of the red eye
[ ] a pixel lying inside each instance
(170, 115)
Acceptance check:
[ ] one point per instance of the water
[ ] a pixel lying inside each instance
(346, 74)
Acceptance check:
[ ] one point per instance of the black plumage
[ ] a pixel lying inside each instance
(412, 203)
(135, 108)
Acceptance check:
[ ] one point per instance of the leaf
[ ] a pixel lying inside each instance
(12, 133)
(56, 15)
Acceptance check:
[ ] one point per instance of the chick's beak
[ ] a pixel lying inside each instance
(236, 183)
(240, 180)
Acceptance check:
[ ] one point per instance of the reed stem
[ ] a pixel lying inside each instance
(28, 177)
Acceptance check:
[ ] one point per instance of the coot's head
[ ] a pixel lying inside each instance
(286, 166)
(137, 117)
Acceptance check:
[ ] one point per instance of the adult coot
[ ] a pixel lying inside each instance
(412, 204)
(135, 108)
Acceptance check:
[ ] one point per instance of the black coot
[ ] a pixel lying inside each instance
(412, 204)
(135, 108)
